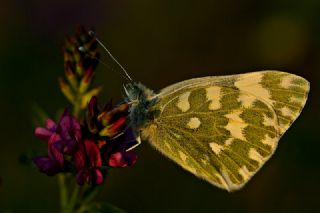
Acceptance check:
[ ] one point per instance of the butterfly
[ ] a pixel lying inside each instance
(221, 129)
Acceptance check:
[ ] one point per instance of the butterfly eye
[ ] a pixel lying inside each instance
(133, 92)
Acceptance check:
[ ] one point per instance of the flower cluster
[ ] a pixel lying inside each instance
(89, 140)
(75, 147)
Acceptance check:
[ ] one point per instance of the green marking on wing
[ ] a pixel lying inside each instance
(289, 93)
(196, 159)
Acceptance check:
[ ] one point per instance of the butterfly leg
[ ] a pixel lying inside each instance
(138, 140)
(118, 135)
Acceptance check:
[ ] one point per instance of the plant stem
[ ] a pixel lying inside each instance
(76, 110)
(74, 199)
(82, 195)
(63, 192)
(77, 104)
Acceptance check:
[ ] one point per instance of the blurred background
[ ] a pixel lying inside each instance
(160, 42)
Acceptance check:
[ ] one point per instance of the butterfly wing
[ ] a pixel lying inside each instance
(223, 129)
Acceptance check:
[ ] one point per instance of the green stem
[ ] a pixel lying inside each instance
(75, 195)
(77, 104)
(76, 110)
(63, 192)
(74, 199)
(88, 194)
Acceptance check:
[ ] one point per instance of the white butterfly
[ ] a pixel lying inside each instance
(221, 129)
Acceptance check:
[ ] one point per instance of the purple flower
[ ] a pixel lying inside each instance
(70, 131)
(54, 162)
(62, 138)
(88, 163)
(103, 140)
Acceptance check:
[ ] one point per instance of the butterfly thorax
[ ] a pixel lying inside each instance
(141, 99)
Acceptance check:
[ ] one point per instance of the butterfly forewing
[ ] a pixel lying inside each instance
(223, 129)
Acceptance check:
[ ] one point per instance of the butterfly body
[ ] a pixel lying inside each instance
(221, 129)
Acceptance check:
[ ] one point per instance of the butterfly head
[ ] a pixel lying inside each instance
(141, 104)
(137, 92)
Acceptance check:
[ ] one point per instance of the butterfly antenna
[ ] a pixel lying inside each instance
(85, 51)
(127, 76)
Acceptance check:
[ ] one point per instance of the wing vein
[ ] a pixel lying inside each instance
(287, 91)
(199, 142)
(199, 164)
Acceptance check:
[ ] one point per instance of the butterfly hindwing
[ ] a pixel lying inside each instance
(223, 129)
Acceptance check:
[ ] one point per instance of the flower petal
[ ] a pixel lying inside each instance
(93, 153)
(42, 133)
(116, 160)
(93, 106)
(47, 165)
(130, 157)
(122, 159)
(98, 176)
(70, 146)
(118, 125)
(79, 158)
(114, 129)
(90, 176)
(51, 125)
(53, 152)
(108, 116)
(69, 127)
(92, 114)
(66, 146)
(86, 80)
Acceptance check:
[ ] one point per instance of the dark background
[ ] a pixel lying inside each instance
(160, 42)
